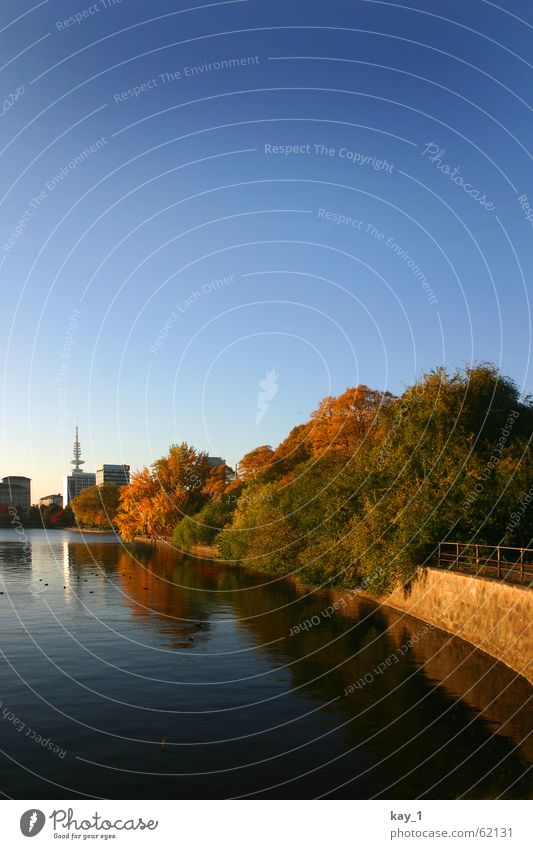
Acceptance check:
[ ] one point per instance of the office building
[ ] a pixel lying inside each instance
(75, 483)
(15, 491)
(119, 475)
(49, 500)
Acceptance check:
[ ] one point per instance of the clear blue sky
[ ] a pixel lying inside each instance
(192, 182)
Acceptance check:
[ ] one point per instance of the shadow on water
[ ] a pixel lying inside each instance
(196, 680)
(447, 710)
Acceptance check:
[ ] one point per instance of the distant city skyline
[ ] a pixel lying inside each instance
(115, 473)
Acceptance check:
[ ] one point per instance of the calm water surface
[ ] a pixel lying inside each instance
(154, 676)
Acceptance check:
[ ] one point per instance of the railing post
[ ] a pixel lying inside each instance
(439, 557)
(465, 559)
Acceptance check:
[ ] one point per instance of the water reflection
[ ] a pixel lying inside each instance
(463, 694)
(133, 644)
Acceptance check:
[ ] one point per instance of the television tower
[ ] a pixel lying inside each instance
(77, 461)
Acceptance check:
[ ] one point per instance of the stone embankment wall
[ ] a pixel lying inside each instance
(495, 617)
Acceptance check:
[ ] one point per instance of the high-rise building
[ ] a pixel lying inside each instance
(116, 474)
(75, 483)
(48, 500)
(15, 491)
(215, 462)
(79, 480)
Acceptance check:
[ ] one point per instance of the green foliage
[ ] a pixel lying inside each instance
(260, 534)
(204, 527)
(363, 492)
(375, 482)
(292, 452)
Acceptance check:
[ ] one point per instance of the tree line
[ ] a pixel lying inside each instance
(360, 493)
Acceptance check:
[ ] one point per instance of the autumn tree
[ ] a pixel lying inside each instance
(137, 513)
(234, 490)
(449, 459)
(49, 512)
(454, 462)
(340, 424)
(217, 481)
(63, 519)
(159, 497)
(257, 459)
(96, 506)
(294, 450)
(182, 468)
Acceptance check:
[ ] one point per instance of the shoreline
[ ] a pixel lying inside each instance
(493, 616)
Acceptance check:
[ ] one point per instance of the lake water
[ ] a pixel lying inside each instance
(131, 672)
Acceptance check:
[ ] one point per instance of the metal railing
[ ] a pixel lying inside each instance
(500, 562)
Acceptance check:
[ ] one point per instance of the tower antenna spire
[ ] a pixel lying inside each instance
(77, 461)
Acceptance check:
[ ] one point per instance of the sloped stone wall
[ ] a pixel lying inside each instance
(495, 617)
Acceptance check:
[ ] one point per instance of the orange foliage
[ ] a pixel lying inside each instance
(257, 459)
(217, 481)
(340, 424)
(137, 514)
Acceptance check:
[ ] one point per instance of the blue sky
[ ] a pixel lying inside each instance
(175, 224)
